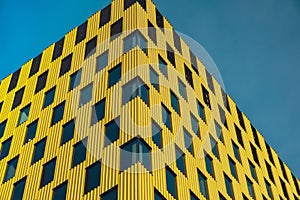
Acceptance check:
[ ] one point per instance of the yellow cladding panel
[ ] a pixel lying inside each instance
(205, 139)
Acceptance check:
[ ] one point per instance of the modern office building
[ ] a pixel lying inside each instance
(121, 108)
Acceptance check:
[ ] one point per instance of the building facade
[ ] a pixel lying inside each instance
(121, 108)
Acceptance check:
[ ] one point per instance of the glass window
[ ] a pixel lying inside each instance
(210, 81)
(194, 62)
(188, 76)
(152, 32)
(269, 153)
(241, 118)
(116, 29)
(79, 153)
(65, 65)
(156, 135)
(201, 111)
(49, 97)
(81, 32)
(112, 132)
(193, 196)
(41, 82)
(2, 128)
(228, 184)
(58, 49)
(182, 89)
(270, 173)
(98, 111)
(166, 117)
(31, 131)
(18, 190)
(214, 147)
(135, 87)
(239, 135)
(203, 184)
(111, 194)
(24, 114)
(188, 141)
(67, 132)
(254, 153)
(195, 126)
(105, 15)
(252, 170)
(219, 131)
(90, 47)
(58, 113)
(171, 182)
(233, 168)
(39, 149)
(48, 172)
(35, 66)
(206, 98)
(18, 98)
(209, 165)
(102, 61)
(221, 196)
(170, 55)
(135, 39)
(269, 189)
(180, 160)
(11, 169)
(177, 41)
(5, 148)
(236, 151)
(60, 192)
(14, 80)
(75, 79)
(86, 94)
(175, 102)
(114, 75)
(158, 195)
(159, 20)
(255, 136)
(136, 150)
(250, 188)
(163, 66)
(223, 116)
(92, 177)
(154, 79)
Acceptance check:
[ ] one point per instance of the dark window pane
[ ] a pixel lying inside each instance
(177, 41)
(135, 39)
(270, 173)
(296, 184)
(48, 172)
(180, 160)
(188, 141)
(41, 82)
(135, 87)
(92, 177)
(163, 66)
(254, 153)
(255, 136)
(24, 114)
(111, 194)
(166, 117)
(210, 81)
(102, 61)
(116, 29)
(39, 149)
(152, 32)
(114, 75)
(203, 184)
(105, 16)
(81, 32)
(189, 76)
(233, 168)
(228, 184)
(11, 169)
(194, 62)
(1, 104)
(67, 132)
(18, 190)
(175, 102)
(35, 66)
(171, 182)
(269, 189)
(156, 134)
(209, 165)
(66, 64)
(193, 196)
(250, 187)
(58, 113)
(128, 3)
(14, 80)
(223, 116)
(206, 98)
(49, 97)
(59, 193)
(241, 118)
(239, 135)
(236, 151)
(201, 111)
(225, 100)
(18, 98)
(252, 170)
(269, 152)
(5, 148)
(182, 89)
(2, 128)
(86, 94)
(58, 48)
(112, 132)
(283, 169)
(75, 79)
(221, 196)
(195, 127)
(159, 20)
(219, 132)
(170, 55)
(214, 147)
(158, 196)
(79, 153)
(90, 47)
(98, 111)
(154, 79)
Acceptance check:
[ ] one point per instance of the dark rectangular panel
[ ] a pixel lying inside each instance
(152, 32)
(18, 98)
(177, 42)
(58, 48)
(105, 15)
(35, 66)
(41, 83)
(65, 65)
(81, 32)
(116, 29)
(159, 20)
(90, 47)
(170, 55)
(14, 80)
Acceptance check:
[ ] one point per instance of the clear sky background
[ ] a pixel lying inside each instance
(255, 44)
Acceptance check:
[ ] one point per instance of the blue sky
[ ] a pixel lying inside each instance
(255, 44)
